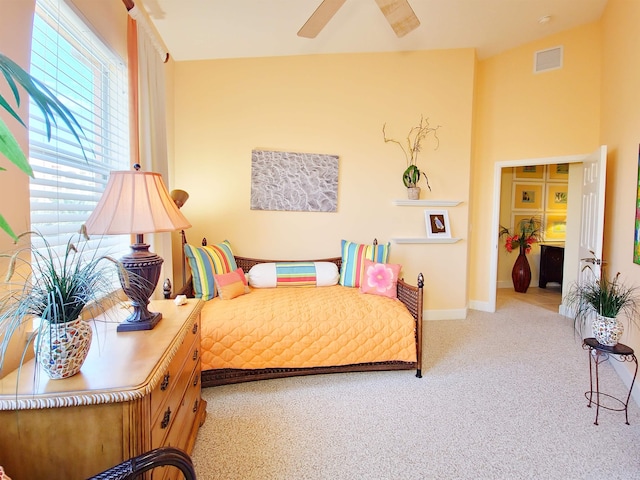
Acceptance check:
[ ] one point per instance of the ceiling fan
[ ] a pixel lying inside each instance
(398, 13)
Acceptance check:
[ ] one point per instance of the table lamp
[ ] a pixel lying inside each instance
(136, 202)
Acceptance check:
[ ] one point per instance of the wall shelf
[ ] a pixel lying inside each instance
(426, 240)
(427, 203)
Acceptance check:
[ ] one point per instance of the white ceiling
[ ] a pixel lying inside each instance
(210, 29)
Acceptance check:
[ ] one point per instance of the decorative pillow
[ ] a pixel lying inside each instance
(207, 261)
(231, 285)
(353, 257)
(293, 274)
(380, 278)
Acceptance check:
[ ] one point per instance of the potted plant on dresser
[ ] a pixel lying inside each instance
(601, 302)
(411, 147)
(57, 288)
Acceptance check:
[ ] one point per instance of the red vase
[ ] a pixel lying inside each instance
(521, 272)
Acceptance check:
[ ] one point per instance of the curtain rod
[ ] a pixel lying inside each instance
(137, 15)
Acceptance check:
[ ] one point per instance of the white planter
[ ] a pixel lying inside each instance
(413, 193)
(607, 331)
(63, 347)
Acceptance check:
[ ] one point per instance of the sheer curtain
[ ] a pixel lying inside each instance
(149, 148)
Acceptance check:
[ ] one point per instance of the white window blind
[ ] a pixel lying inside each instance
(92, 82)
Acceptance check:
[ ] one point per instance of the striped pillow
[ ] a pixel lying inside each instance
(353, 256)
(295, 274)
(207, 261)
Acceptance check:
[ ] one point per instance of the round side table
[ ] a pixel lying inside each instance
(600, 353)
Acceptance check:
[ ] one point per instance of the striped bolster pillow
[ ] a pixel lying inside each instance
(295, 274)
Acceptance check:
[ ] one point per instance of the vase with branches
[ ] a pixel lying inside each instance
(411, 147)
(525, 234)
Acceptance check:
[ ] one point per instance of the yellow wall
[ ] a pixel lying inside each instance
(523, 115)
(621, 133)
(334, 104)
(15, 42)
(338, 103)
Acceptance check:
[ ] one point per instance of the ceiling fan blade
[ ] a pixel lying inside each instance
(400, 16)
(316, 22)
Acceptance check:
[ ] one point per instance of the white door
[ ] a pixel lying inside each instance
(594, 169)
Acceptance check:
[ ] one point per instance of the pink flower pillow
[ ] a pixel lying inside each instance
(380, 278)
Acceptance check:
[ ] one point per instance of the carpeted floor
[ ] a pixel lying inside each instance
(502, 397)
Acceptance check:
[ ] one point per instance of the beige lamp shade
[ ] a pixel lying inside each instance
(135, 202)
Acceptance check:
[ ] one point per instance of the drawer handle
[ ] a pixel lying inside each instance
(196, 380)
(195, 406)
(195, 328)
(165, 382)
(195, 354)
(166, 418)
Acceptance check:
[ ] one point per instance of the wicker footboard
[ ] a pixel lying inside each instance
(410, 295)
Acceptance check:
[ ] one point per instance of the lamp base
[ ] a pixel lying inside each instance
(132, 326)
(143, 268)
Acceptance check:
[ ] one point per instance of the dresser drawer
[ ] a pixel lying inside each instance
(188, 352)
(179, 434)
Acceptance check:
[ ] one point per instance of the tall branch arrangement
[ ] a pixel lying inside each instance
(411, 147)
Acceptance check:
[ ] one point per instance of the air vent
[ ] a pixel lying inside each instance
(549, 59)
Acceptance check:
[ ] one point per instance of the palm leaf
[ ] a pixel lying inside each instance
(48, 104)
(10, 148)
(44, 99)
(5, 226)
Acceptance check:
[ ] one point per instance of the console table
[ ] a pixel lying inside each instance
(551, 264)
(136, 391)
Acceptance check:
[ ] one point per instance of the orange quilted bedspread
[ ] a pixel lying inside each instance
(305, 327)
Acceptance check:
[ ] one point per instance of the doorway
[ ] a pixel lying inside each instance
(572, 159)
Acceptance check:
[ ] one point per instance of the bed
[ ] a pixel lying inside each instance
(266, 333)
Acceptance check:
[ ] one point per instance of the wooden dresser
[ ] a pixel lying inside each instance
(135, 392)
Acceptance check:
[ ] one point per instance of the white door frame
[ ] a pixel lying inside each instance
(495, 220)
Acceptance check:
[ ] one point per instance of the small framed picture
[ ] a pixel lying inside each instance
(529, 172)
(527, 196)
(437, 223)
(555, 228)
(558, 172)
(557, 196)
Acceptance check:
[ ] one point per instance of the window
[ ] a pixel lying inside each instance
(92, 82)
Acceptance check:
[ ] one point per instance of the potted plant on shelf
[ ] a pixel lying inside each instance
(56, 288)
(601, 301)
(526, 234)
(411, 148)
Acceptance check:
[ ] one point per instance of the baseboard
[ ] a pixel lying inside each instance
(481, 306)
(509, 284)
(453, 314)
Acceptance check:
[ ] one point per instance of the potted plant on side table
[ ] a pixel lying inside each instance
(600, 301)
